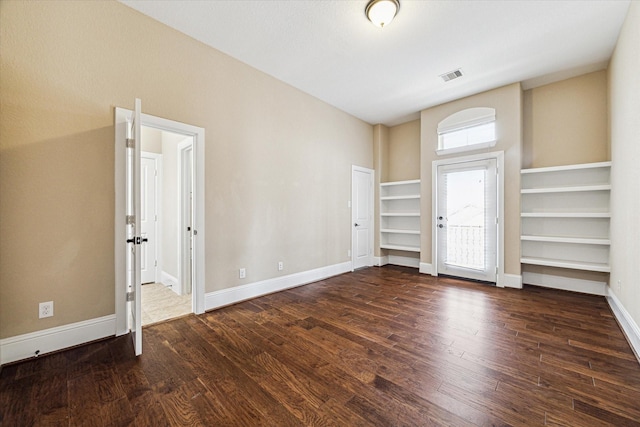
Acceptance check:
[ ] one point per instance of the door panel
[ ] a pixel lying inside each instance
(362, 217)
(466, 219)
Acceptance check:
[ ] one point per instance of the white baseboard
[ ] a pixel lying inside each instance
(237, 294)
(170, 281)
(565, 283)
(626, 322)
(380, 260)
(25, 346)
(510, 281)
(426, 268)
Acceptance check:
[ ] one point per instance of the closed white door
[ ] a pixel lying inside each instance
(362, 217)
(148, 217)
(466, 219)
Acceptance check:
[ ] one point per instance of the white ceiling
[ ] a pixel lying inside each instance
(328, 48)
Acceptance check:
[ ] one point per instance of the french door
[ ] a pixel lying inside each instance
(466, 221)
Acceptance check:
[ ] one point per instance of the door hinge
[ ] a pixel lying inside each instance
(131, 219)
(131, 296)
(131, 143)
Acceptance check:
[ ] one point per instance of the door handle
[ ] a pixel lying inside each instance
(356, 224)
(440, 218)
(440, 226)
(144, 240)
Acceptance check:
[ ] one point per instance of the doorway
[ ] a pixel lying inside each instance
(361, 217)
(197, 267)
(467, 233)
(166, 215)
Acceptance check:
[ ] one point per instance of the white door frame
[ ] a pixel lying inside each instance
(158, 230)
(184, 236)
(499, 157)
(198, 209)
(371, 173)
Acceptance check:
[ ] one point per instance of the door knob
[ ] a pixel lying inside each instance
(440, 226)
(440, 218)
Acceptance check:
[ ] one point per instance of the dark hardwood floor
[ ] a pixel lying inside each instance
(381, 346)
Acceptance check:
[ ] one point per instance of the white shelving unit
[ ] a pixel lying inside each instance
(565, 216)
(400, 215)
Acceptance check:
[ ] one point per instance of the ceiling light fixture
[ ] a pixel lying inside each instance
(382, 12)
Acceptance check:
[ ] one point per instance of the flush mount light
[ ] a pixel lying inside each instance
(382, 12)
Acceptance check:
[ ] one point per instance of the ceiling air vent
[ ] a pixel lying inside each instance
(451, 75)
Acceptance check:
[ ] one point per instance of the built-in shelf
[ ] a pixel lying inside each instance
(400, 247)
(574, 265)
(398, 231)
(566, 215)
(565, 218)
(400, 215)
(559, 239)
(409, 196)
(573, 189)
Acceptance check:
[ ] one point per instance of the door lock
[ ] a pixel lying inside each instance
(440, 226)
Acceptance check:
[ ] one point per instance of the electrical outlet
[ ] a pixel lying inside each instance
(243, 273)
(45, 309)
(280, 265)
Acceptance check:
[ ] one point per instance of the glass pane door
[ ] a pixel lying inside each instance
(466, 220)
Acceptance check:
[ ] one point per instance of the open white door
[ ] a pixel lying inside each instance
(134, 238)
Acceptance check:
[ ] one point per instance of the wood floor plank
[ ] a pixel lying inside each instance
(376, 347)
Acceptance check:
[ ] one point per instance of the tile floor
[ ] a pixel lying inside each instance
(161, 303)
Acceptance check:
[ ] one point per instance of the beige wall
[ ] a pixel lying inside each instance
(507, 101)
(404, 151)
(278, 162)
(566, 122)
(624, 113)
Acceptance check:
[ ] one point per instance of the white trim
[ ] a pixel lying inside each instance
(499, 157)
(626, 322)
(404, 261)
(170, 281)
(380, 260)
(426, 268)
(198, 135)
(25, 346)
(371, 173)
(509, 281)
(237, 294)
(572, 284)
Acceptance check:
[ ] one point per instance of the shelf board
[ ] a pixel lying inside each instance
(559, 239)
(574, 265)
(407, 197)
(414, 214)
(409, 182)
(541, 190)
(396, 231)
(567, 168)
(400, 247)
(565, 215)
